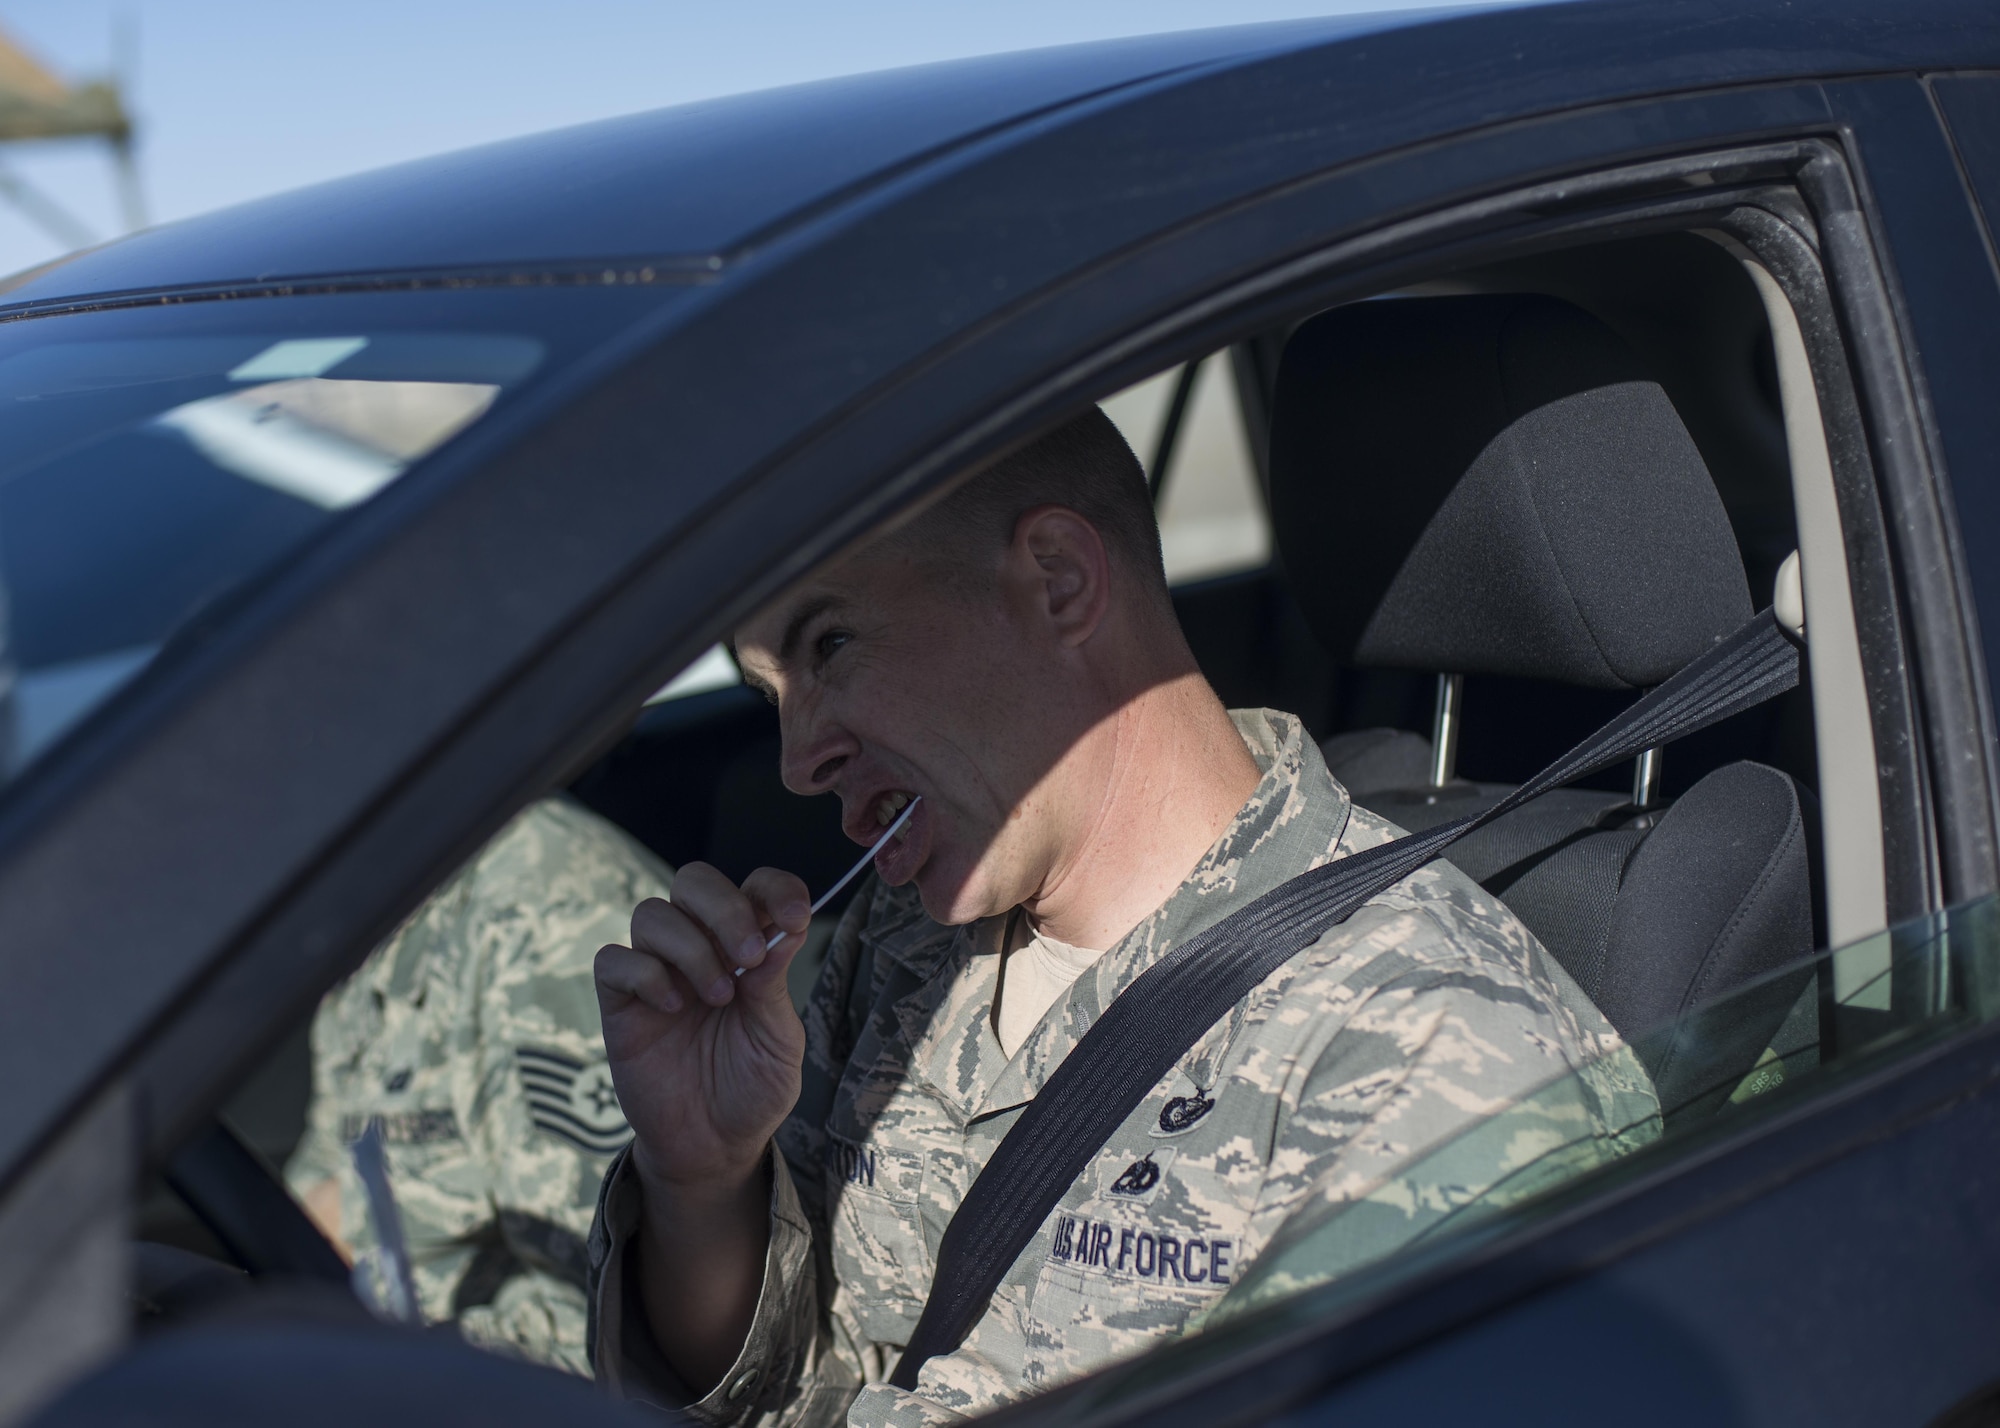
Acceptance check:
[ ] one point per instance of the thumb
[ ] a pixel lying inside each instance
(768, 983)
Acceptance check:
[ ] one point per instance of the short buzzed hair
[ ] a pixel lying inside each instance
(1083, 464)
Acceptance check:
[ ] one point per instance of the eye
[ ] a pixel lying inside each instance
(829, 644)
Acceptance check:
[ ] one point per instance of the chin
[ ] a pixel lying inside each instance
(953, 896)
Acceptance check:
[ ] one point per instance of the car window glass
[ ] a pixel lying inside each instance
(1426, 1211)
(191, 462)
(151, 461)
(715, 669)
(1212, 515)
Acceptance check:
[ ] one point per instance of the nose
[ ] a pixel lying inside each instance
(814, 755)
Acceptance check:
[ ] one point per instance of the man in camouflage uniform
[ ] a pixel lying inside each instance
(767, 1273)
(473, 1033)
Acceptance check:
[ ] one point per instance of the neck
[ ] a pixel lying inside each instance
(1163, 777)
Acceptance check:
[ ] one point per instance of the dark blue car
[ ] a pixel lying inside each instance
(336, 527)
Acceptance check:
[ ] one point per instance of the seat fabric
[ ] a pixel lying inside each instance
(1718, 899)
(1528, 503)
(1718, 906)
(1517, 496)
(1557, 863)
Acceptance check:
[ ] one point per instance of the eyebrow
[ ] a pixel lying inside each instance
(760, 686)
(801, 617)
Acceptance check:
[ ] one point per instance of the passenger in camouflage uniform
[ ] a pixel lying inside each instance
(1076, 775)
(473, 1033)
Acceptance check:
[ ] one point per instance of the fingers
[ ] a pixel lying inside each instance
(322, 1207)
(782, 900)
(786, 911)
(663, 930)
(624, 975)
(709, 933)
(726, 912)
(710, 930)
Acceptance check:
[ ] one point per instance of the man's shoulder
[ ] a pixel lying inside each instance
(1446, 918)
(549, 889)
(556, 853)
(1438, 931)
(556, 842)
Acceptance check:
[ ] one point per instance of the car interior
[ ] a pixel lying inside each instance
(1455, 527)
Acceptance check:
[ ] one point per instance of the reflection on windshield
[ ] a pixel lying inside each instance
(49, 700)
(143, 477)
(1902, 988)
(333, 443)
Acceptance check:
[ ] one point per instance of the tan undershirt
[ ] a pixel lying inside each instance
(1032, 978)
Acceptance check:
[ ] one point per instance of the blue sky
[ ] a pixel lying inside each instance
(239, 98)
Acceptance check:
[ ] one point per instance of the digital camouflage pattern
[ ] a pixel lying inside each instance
(1429, 1011)
(473, 1033)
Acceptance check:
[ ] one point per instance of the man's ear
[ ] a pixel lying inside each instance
(1062, 560)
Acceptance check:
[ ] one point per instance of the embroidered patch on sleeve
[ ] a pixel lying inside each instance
(572, 1100)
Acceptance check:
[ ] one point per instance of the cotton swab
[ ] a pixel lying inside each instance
(849, 876)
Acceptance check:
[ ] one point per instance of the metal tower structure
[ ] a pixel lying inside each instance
(36, 104)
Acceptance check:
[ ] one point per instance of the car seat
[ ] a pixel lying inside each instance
(1492, 485)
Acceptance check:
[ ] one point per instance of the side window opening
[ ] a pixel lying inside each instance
(1703, 330)
(1546, 539)
(1719, 333)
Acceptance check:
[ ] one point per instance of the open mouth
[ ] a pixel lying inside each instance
(888, 806)
(898, 858)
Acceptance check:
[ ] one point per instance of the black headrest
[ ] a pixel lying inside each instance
(1492, 485)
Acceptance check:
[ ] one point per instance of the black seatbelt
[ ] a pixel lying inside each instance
(1169, 1007)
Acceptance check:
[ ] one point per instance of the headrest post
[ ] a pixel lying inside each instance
(1646, 778)
(1444, 729)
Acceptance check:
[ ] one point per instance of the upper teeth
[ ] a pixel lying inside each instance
(890, 805)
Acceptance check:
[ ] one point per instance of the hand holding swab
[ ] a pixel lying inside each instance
(866, 858)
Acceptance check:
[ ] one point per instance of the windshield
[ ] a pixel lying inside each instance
(151, 460)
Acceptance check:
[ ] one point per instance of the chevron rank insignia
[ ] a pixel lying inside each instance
(572, 1100)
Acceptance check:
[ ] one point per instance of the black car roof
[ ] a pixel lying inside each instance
(672, 188)
(678, 193)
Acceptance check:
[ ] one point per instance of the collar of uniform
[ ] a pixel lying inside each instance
(898, 931)
(947, 1022)
(1293, 821)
